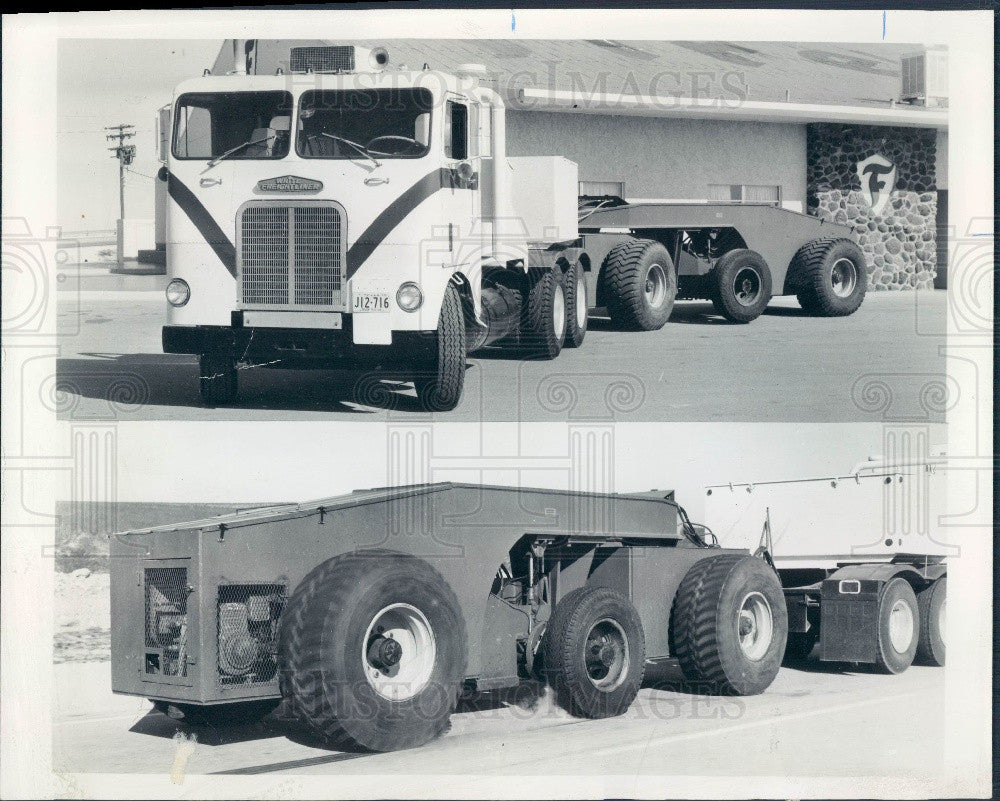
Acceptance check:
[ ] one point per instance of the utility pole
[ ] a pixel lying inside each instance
(125, 155)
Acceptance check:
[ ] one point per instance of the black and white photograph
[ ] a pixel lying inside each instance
(483, 403)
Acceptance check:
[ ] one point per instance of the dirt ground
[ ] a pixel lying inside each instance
(83, 617)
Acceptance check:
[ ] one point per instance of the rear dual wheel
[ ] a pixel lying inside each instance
(544, 315)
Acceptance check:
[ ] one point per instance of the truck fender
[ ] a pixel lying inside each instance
(887, 571)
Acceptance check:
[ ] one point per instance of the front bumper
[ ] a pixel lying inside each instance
(319, 347)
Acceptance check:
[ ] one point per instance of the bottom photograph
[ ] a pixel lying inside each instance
(457, 626)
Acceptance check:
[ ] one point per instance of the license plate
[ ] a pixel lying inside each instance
(371, 302)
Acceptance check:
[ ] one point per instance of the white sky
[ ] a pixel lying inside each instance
(107, 82)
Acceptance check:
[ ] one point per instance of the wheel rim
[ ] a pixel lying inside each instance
(655, 288)
(843, 277)
(581, 301)
(747, 286)
(398, 652)
(605, 654)
(901, 626)
(559, 312)
(756, 626)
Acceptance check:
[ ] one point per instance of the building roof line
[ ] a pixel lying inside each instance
(571, 101)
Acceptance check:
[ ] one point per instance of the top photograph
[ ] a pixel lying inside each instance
(530, 230)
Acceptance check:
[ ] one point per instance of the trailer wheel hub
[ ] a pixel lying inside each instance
(755, 626)
(843, 277)
(398, 652)
(747, 286)
(656, 286)
(606, 655)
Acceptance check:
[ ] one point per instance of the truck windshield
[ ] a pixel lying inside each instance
(386, 123)
(237, 125)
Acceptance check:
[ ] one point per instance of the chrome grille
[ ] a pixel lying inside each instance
(291, 255)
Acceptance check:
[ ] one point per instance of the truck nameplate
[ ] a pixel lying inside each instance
(289, 183)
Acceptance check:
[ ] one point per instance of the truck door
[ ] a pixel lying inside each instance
(462, 205)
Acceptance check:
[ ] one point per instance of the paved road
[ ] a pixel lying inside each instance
(783, 367)
(816, 720)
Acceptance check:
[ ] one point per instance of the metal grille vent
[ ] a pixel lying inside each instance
(291, 255)
(166, 621)
(248, 632)
(322, 59)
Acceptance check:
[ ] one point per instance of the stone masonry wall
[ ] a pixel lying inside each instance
(899, 242)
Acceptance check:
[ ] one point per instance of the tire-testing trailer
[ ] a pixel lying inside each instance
(348, 214)
(370, 612)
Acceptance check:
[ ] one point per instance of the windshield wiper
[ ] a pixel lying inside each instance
(232, 150)
(360, 148)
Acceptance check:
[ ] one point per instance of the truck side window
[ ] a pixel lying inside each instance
(456, 134)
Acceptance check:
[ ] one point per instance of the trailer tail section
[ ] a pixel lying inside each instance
(368, 612)
(862, 559)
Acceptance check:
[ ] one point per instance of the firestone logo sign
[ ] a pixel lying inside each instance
(878, 177)
(289, 183)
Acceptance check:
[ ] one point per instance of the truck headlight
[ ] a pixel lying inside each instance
(178, 292)
(409, 297)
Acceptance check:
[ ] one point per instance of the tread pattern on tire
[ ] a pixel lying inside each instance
(574, 334)
(623, 288)
(538, 338)
(926, 653)
(442, 391)
(695, 636)
(807, 270)
(566, 617)
(300, 640)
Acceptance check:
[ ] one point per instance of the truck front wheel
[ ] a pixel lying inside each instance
(594, 653)
(439, 389)
(640, 283)
(742, 285)
(373, 651)
(217, 378)
(729, 624)
(898, 627)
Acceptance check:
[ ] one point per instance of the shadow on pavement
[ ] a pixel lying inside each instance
(128, 382)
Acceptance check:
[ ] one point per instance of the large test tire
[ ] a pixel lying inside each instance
(217, 378)
(543, 318)
(729, 624)
(594, 652)
(439, 388)
(931, 604)
(640, 284)
(373, 651)
(577, 305)
(240, 714)
(742, 287)
(898, 627)
(830, 276)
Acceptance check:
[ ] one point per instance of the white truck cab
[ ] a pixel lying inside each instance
(346, 212)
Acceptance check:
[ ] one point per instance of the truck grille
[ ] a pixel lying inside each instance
(166, 621)
(291, 255)
(248, 632)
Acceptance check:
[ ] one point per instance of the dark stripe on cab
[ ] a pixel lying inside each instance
(204, 222)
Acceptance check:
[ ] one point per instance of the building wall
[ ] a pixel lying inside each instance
(666, 158)
(900, 241)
